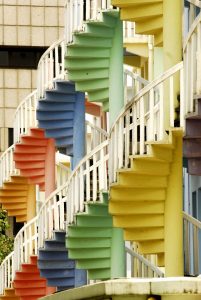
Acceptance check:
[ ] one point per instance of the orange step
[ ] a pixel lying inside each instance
(9, 294)
(17, 196)
(28, 284)
(34, 156)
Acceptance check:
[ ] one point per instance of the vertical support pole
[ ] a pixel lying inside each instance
(116, 91)
(118, 270)
(50, 168)
(173, 214)
(79, 129)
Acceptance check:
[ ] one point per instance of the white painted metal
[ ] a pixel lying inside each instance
(94, 136)
(192, 233)
(7, 272)
(7, 165)
(26, 243)
(192, 66)
(78, 11)
(139, 266)
(25, 116)
(51, 67)
(144, 114)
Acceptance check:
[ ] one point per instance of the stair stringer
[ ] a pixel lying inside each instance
(28, 284)
(91, 240)
(57, 112)
(88, 58)
(18, 198)
(142, 199)
(34, 156)
(54, 263)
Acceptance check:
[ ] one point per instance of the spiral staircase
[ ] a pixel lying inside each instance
(84, 225)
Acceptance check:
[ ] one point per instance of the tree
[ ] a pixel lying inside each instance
(6, 243)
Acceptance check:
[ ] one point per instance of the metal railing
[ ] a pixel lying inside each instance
(7, 272)
(145, 118)
(7, 165)
(192, 245)
(94, 136)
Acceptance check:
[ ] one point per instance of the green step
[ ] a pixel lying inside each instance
(89, 253)
(93, 264)
(87, 63)
(97, 208)
(88, 52)
(85, 243)
(88, 74)
(77, 231)
(92, 85)
(101, 274)
(97, 221)
(93, 42)
(98, 31)
(95, 96)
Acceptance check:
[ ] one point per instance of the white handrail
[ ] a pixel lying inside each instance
(192, 66)
(63, 173)
(51, 67)
(94, 136)
(133, 83)
(7, 272)
(195, 3)
(141, 267)
(192, 230)
(7, 165)
(78, 11)
(145, 118)
(25, 116)
(26, 243)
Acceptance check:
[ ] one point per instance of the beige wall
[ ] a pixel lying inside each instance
(24, 23)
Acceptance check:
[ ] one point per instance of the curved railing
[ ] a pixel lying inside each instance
(7, 165)
(192, 66)
(25, 116)
(26, 243)
(145, 118)
(78, 11)
(94, 136)
(84, 184)
(51, 67)
(192, 240)
(140, 267)
(7, 272)
(133, 83)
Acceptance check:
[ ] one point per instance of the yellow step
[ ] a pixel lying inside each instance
(137, 194)
(8, 193)
(151, 247)
(140, 181)
(135, 208)
(14, 186)
(12, 205)
(18, 179)
(141, 13)
(17, 212)
(126, 3)
(151, 26)
(13, 199)
(144, 234)
(138, 221)
(149, 165)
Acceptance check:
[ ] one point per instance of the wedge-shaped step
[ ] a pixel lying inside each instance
(147, 15)
(58, 111)
(54, 263)
(88, 57)
(91, 239)
(137, 199)
(34, 157)
(17, 197)
(27, 282)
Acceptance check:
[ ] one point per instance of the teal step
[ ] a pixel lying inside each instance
(102, 274)
(92, 85)
(98, 31)
(97, 208)
(101, 263)
(93, 42)
(96, 95)
(88, 52)
(72, 63)
(88, 74)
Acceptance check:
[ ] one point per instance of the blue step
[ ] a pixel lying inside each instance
(54, 264)
(58, 112)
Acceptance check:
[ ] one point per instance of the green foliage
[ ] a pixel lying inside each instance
(6, 243)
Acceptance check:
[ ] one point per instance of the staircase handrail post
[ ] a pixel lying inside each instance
(6, 272)
(7, 166)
